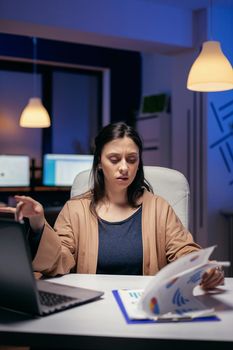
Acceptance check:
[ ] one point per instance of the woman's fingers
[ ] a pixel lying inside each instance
(7, 210)
(16, 211)
(19, 213)
(34, 205)
(25, 199)
(213, 278)
(25, 207)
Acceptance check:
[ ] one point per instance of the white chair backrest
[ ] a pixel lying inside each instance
(167, 183)
(82, 183)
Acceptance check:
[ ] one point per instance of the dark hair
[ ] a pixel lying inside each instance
(109, 133)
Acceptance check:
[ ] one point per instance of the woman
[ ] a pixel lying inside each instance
(119, 227)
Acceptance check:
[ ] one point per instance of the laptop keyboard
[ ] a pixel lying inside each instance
(52, 299)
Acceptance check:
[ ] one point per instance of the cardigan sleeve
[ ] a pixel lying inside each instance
(56, 253)
(178, 240)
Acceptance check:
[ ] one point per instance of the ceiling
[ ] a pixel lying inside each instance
(36, 25)
(193, 4)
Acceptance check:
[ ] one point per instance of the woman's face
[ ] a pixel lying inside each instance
(119, 162)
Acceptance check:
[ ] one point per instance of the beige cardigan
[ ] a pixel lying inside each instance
(72, 246)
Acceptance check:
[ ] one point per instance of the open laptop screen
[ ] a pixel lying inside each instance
(61, 169)
(14, 171)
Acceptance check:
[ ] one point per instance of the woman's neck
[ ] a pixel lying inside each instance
(114, 207)
(116, 198)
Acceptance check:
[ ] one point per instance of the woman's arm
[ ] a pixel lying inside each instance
(179, 241)
(56, 251)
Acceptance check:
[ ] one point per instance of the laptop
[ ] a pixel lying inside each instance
(19, 291)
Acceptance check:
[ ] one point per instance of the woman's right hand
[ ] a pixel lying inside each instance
(29, 208)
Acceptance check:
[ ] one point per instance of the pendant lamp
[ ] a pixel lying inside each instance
(211, 71)
(34, 115)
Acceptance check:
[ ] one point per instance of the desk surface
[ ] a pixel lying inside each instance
(100, 324)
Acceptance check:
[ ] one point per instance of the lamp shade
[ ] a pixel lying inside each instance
(34, 115)
(211, 71)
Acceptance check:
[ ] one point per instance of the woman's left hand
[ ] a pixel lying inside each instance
(212, 278)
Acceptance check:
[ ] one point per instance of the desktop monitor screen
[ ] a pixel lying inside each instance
(61, 169)
(14, 171)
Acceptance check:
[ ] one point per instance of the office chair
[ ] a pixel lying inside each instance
(167, 183)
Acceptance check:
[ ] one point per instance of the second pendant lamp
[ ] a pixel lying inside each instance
(211, 71)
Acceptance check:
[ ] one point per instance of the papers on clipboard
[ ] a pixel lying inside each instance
(169, 296)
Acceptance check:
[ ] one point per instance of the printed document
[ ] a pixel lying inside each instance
(170, 292)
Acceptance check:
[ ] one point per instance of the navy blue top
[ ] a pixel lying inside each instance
(120, 246)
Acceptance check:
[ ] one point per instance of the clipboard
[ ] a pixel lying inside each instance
(159, 320)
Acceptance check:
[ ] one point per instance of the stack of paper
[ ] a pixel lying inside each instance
(169, 295)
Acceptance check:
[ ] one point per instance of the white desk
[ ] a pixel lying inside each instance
(100, 324)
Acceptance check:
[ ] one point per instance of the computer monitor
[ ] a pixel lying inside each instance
(14, 171)
(61, 169)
